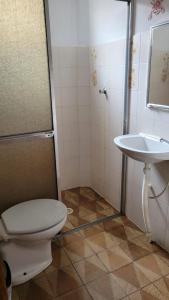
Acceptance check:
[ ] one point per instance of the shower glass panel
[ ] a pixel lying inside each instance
(27, 152)
(27, 170)
(25, 104)
(88, 40)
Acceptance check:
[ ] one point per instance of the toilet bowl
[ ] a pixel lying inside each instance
(26, 232)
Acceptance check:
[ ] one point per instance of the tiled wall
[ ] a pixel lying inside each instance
(143, 119)
(73, 114)
(107, 59)
(70, 53)
(107, 65)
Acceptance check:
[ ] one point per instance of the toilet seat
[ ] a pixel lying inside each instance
(33, 216)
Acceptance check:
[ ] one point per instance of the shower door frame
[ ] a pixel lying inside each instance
(128, 63)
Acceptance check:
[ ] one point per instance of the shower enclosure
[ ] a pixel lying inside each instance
(89, 50)
(62, 101)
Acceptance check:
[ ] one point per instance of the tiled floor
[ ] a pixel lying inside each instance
(87, 206)
(112, 260)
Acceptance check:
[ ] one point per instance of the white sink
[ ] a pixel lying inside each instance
(142, 147)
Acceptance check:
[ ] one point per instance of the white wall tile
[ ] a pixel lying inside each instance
(84, 131)
(83, 56)
(59, 116)
(85, 147)
(70, 173)
(70, 115)
(66, 77)
(69, 96)
(84, 114)
(71, 149)
(85, 171)
(67, 57)
(70, 132)
(145, 47)
(83, 96)
(83, 76)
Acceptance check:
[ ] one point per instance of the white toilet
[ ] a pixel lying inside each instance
(26, 232)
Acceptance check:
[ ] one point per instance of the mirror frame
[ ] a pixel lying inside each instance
(148, 103)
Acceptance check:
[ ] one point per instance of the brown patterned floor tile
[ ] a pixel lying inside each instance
(92, 230)
(83, 211)
(104, 204)
(148, 293)
(35, 290)
(153, 266)
(89, 193)
(76, 220)
(101, 241)
(70, 197)
(78, 250)
(106, 288)
(119, 233)
(163, 255)
(70, 238)
(108, 212)
(60, 258)
(78, 294)
(163, 286)
(131, 278)
(63, 280)
(68, 226)
(90, 269)
(125, 221)
(93, 217)
(87, 206)
(132, 231)
(114, 258)
(144, 242)
(112, 224)
(133, 250)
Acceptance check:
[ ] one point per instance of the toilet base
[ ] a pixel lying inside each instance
(26, 260)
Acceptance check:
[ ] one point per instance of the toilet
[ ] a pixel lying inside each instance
(26, 232)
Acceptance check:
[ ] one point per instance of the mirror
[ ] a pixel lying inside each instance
(158, 74)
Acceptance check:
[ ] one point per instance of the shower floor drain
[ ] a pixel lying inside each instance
(69, 211)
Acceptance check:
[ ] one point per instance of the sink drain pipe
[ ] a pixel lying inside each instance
(145, 197)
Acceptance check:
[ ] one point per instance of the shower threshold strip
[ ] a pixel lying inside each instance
(87, 225)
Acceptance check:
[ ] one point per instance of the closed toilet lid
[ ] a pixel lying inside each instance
(33, 216)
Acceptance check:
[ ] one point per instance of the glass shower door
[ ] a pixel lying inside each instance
(27, 156)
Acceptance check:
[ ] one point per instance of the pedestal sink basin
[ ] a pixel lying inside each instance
(147, 149)
(142, 147)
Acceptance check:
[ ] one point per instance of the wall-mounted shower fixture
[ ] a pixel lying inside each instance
(104, 92)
